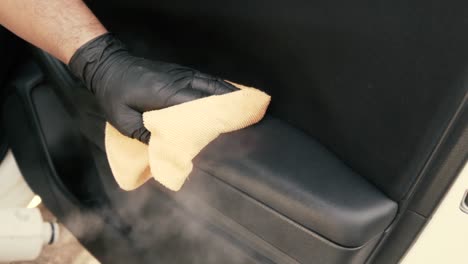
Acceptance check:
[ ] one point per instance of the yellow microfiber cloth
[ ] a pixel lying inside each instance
(178, 134)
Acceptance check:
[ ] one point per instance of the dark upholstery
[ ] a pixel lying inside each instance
(374, 81)
(287, 171)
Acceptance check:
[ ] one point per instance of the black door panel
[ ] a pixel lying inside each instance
(267, 177)
(376, 82)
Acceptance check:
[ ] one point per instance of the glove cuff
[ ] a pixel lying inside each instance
(87, 60)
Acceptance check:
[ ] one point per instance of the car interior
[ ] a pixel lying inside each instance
(364, 135)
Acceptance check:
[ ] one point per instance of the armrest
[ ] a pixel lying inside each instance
(294, 175)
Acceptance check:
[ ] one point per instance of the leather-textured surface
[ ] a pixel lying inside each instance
(291, 173)
(265, 223)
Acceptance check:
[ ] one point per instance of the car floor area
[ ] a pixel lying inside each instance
(14, 192)
(66, 250)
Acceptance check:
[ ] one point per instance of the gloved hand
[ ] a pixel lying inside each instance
(126, 86)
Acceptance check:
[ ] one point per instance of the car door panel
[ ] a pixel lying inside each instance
(298, 194)
(361, 103)
(109, 223)
(374, 82)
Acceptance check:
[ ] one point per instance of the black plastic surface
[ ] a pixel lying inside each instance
(265, 223)
(3, 145)
(71, 159)
(465, 202)
(400, 239)
(435, 180)
(7, 54)
(446, 166)
(27, 143)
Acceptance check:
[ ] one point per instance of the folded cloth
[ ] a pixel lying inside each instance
(178, 134)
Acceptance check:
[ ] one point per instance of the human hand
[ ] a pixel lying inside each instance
(126, 86)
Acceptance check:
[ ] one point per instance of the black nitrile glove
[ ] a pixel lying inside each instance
(126, 86)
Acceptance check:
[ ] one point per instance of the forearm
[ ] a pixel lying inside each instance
(59, 27)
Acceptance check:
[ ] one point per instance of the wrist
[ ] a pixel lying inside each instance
(87, 60)
(91, 32)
